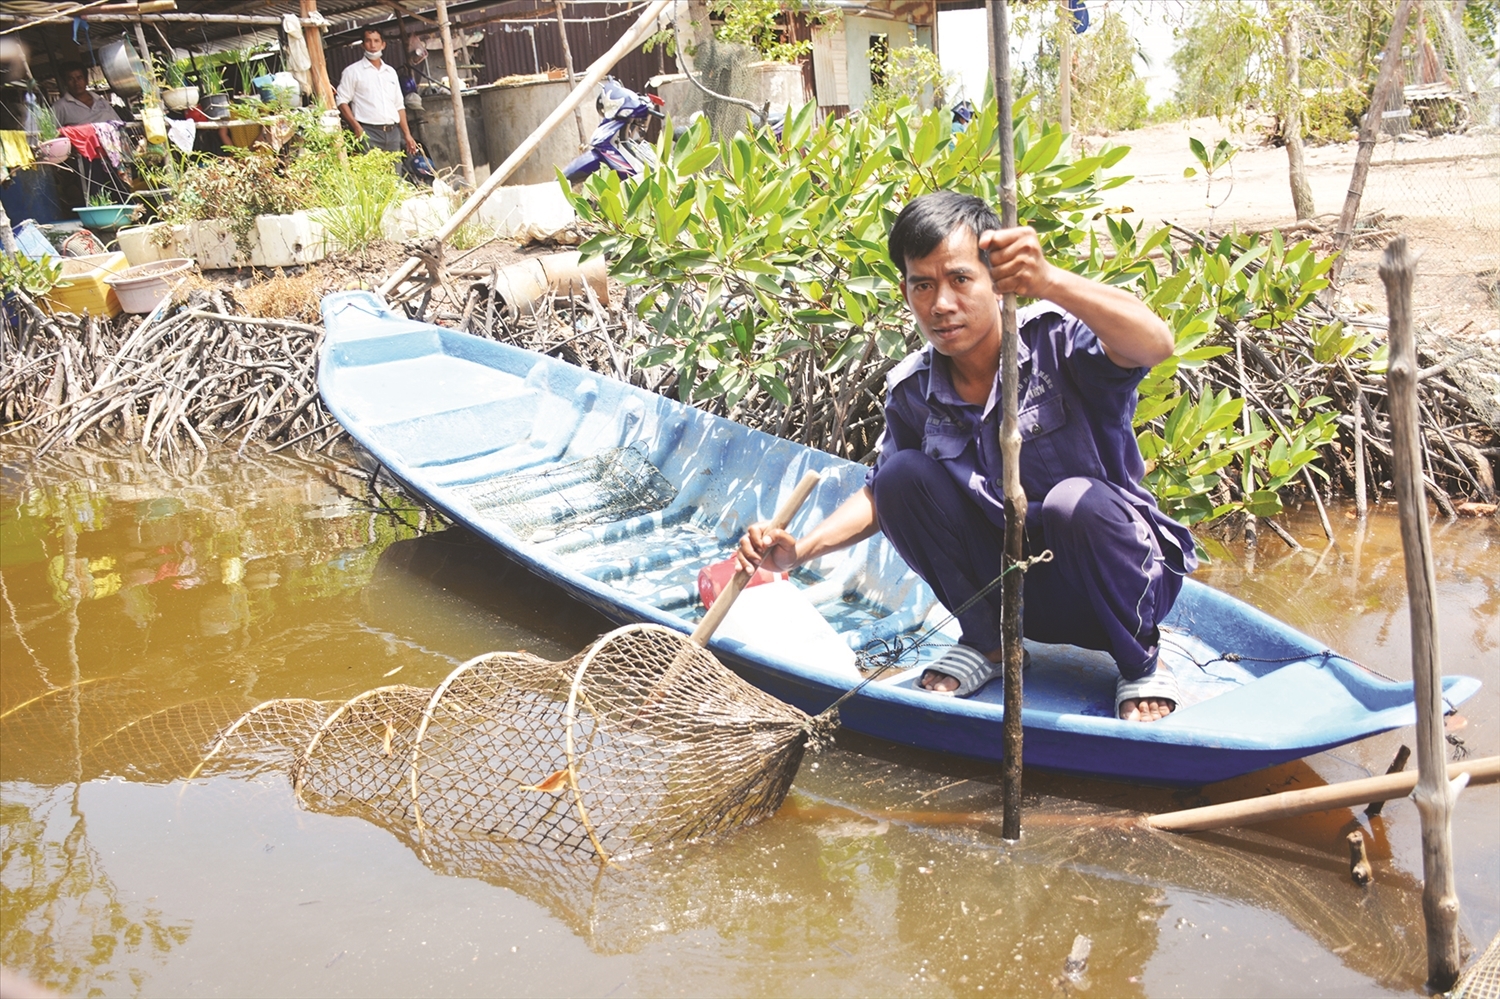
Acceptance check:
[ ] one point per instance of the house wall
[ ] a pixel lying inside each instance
(857, 31)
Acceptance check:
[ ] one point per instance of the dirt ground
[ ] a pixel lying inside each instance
(1442, 193)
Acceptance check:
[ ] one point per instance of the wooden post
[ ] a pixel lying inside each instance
(1434, 795)
(1010, 447)
(456, 89)
(562, 32)
(596, 72)
(1369, 131)
(313, 36)
(152, 91)
(7, 236)
(1065, 67)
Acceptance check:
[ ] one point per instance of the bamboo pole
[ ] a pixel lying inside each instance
(562, 33)
(1010, 447)
(1290, 804)
(1065, 67)
(1434, 795)
(1369, 131)
(633, 37)
(456, 90)
(312, 34)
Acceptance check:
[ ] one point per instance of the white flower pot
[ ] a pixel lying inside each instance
(416, 218)
(286, 240)
(217, 249)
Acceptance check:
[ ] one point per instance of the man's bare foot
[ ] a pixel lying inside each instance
(1146, 709)
(938, 683)
(1149, 699)
(941, 683)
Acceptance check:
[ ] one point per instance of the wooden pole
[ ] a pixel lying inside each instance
(1290, 804)
(562, 32)
(1434, 795)
(1010, 447)
(633, 37)
(456, 89)
(1065, 68)
(1369, 131)
(312, 34)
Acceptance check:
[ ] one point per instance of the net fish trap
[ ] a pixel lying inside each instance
(641, 741)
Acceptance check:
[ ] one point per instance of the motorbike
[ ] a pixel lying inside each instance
(619, 142)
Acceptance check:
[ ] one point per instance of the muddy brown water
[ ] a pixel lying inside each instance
(130, 592)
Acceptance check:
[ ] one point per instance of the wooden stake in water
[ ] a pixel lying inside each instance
(1434, 794)
(1010, 447)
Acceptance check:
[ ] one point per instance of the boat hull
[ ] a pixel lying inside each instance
(461, 420)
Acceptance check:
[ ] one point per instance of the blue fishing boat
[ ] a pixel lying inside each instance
(621, 496)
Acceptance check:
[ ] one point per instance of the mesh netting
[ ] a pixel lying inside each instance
(643, 740)
(1482, 979)
(600, 489)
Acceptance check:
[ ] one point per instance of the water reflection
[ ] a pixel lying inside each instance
(143, 612)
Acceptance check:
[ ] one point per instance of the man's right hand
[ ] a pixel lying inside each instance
(766, 547)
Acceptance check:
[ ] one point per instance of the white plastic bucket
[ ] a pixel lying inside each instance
(141, 288)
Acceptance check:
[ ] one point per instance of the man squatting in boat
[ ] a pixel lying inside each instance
(936, 488)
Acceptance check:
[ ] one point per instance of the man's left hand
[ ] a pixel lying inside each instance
(411, 145)
(1016, 262)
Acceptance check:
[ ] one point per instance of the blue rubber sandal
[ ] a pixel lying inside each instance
(970, 667)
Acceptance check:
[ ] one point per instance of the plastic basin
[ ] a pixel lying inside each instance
(105, 216)
(142, 287)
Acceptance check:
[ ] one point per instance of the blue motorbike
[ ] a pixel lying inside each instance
(619, 142)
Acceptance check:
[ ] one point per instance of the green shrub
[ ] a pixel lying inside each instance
(18, 272)
(767, 294)
(1333, 115)
(353, 197)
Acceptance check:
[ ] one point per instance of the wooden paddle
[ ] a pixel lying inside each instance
(731, 593)
(725, 600)
(1288, 804)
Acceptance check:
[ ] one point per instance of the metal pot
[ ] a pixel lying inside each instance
(123, 68)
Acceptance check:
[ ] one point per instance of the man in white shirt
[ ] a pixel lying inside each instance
(369, 98)
(78, 106)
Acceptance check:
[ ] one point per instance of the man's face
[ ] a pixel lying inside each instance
(374, 42)
(950, 294)
(77, 82)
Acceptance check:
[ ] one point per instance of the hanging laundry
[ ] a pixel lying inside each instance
(298, 61)
(85, 140)
(182, 133)
(111, 141)
(15, 154)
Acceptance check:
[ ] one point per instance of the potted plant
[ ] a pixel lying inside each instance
(212, 99)
(176, 94)
(103, 212)
(51, 146)
(242, 62)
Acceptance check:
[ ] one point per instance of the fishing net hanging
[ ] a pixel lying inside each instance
(643, 740)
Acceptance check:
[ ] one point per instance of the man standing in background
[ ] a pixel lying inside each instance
(369, 98)
(80, 106)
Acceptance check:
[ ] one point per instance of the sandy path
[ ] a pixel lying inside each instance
(1445, 190)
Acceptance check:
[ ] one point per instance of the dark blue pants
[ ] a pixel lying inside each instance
(1106, 587)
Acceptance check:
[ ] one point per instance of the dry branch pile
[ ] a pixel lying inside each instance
(178, 378)
(1269, 367)
(200, 373)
